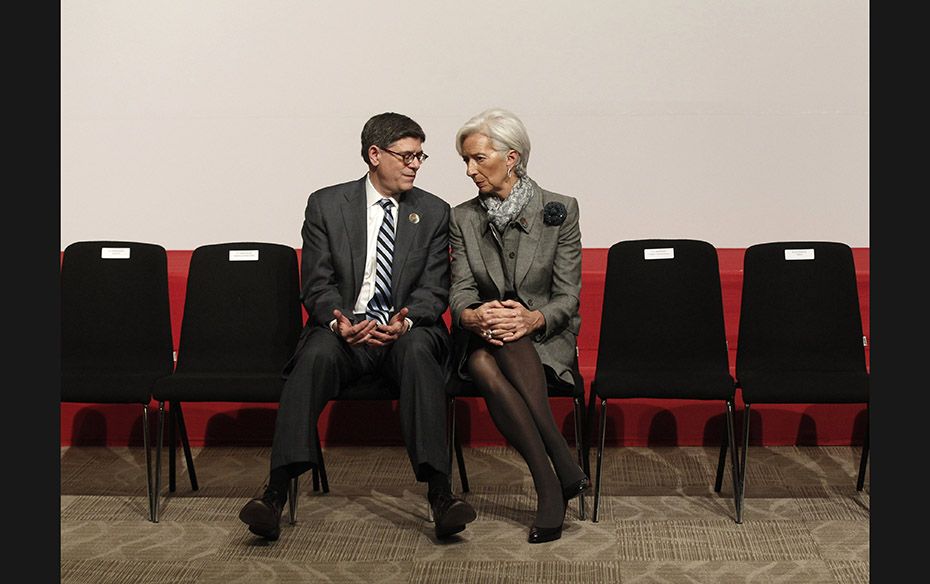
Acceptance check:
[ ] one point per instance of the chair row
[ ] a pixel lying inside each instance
(662, 337)
(662, 334)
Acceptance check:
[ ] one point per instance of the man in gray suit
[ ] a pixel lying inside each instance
(375, 283)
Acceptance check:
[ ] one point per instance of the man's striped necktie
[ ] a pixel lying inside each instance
(379, 307)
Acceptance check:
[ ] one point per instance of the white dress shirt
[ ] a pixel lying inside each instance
(374, 218)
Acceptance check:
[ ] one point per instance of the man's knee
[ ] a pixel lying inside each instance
(321, 351)
(418, 346)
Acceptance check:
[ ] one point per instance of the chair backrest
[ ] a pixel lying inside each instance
(800, 309)
(663, 309)
(115, 313)
(241, 310)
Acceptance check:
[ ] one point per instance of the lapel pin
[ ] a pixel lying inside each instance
(413, 218)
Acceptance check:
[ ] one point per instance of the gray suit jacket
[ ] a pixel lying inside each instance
(548, 274)
(334, 248)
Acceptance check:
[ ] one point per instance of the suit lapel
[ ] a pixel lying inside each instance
(404, 236)
(354, 215)
(490, 248)
(529, 241)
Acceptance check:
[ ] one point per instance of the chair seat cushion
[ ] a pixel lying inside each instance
(231, 387)
(117, 388)
(804, 387)
(664, 385)
(458, 387)
(369, 387)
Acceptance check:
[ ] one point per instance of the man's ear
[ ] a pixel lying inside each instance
(374, 155)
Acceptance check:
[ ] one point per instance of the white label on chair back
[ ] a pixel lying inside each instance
(659, 253)
(243, 255)
(114, 253)
(799, 254)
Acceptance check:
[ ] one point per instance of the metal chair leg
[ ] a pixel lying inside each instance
(148, 461)
(172, 448)
(450, 432)
(455, 445)
(722, 458)
(742, 466)
(602, 426)
(321, 468)
(734, 463)
(589, 429)
(185, 443)
(863, 461)
(161, 433)
(292, 500)
(579, 446)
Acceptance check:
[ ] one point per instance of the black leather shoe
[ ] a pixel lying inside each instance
(576, 488)
(263, 514)
(451, 514)
(544, 534)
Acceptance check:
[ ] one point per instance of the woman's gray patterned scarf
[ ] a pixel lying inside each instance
(501, 213)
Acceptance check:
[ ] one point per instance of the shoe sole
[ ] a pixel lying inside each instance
(256, 517)
(455, 520)
(269, 535)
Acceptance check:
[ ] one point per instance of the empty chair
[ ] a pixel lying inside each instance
(115, 327)
(663, 337)
(240, 326)
(800, 331)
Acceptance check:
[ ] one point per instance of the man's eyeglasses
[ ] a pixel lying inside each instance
(409, 157)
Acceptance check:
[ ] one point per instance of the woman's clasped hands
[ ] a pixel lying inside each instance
(502, 321)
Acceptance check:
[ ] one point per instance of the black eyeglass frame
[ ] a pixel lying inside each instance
(409, 157)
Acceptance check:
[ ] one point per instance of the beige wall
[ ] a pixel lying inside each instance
(192, 122)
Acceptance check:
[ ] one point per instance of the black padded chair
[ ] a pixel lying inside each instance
(240, 326)
(115, 327)
(800, 331)
(458, 388)
(663, 337)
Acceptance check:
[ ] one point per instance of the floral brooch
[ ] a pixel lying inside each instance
(554, 213)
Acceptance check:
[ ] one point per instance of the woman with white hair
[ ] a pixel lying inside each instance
(516, 280)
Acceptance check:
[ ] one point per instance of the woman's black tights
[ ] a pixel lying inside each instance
(513, 383)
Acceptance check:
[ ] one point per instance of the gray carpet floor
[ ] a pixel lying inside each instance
(659, 521)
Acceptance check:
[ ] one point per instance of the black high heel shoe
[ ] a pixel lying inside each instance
(544, 534)
(575, 489)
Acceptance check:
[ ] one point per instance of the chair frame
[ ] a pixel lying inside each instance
(151, 481)
(864, 455)
(729, 437)
(175, 412)
(367, 388)
(729, 441)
